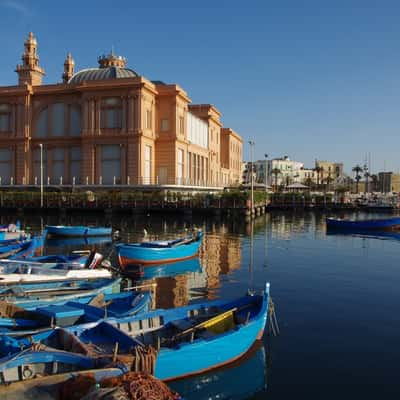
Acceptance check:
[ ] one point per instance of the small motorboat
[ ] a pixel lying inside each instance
(159, 252)
(364, 224)
(77, 231)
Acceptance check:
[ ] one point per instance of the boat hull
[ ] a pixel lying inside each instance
(379, 224)
(138, 254)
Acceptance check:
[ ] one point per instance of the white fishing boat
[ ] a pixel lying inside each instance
(13, 272)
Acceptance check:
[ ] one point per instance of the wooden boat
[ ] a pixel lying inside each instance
(14, 272)
(59, 350)
(368, 224)
(189, 340)
(71, 231)
(116, 305)
(21, 250)
(84, 258)
(189, 265)
(159, 252)
(83, 291)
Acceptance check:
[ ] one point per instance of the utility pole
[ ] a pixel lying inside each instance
(252, 143)
(41, 175)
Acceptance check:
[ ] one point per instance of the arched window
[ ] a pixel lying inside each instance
(111, 113)
(58, 119)
(5, 118)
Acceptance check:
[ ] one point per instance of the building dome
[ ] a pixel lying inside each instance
(111, 67)
(97, 74)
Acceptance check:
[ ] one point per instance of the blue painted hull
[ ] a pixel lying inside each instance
(148, 253)
(239, 381)
(384, 223)
(83, 231)
(62, 259)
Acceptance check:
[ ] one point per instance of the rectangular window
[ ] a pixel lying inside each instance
(57, 119)
(111, 113)
(5, 166)
(147, 165)
(181, 125)
(179, 172)
(149, 119)
(110, 164)
(75, 165)
(5, 118)
(164, 125)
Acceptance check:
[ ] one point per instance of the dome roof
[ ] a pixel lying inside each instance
(97, 74)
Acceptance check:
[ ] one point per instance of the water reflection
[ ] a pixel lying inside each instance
(238, 381)
(384, 235)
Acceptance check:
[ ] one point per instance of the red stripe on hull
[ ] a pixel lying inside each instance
(220, 365)
(126, 262)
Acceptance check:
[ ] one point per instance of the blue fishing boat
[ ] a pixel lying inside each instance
(59, 350)
(159, 252)
(33, 296)
(84, 258)
(71, 231)
(365, 224)
(188, 340)
(21, 249)
(116, 305)
(189, 265)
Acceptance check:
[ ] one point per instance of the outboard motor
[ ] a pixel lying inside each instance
(93, 260)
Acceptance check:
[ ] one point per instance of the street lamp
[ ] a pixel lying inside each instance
(41, 175)
(252, 143)
(266, 178)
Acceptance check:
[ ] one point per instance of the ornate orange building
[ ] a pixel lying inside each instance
(109, 125)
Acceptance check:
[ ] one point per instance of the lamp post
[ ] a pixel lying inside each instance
(266, 176)
(251, 143)
(41, 174)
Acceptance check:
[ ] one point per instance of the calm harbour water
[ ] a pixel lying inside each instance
(337, 299)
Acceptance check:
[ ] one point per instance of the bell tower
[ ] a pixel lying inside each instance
(29, 72)
(69, 65)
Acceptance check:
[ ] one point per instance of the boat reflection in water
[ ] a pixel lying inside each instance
(164, 270)
(78, 241)
(371, 234)
(238, 381)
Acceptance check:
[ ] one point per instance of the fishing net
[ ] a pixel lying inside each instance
(141, 386)
(132, 386)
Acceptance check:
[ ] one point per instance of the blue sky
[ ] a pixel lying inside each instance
(309, 79)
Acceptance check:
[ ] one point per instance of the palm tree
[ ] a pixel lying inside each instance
(357, 171)
(319, 170)
(276, 172)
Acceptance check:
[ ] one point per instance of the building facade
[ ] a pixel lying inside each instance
(109, 125)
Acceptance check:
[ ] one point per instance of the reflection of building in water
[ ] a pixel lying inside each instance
(220, 254)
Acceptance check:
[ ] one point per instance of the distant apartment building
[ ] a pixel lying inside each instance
(388, 182)
(109, 125)
(329, 172)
